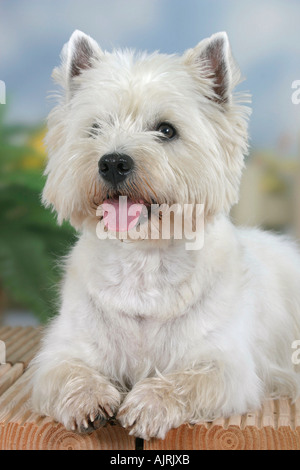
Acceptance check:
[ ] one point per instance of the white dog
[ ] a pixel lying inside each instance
(148, 331)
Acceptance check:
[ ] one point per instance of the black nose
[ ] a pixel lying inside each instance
(115, 167)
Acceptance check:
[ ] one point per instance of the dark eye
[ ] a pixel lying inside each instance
(94, 130)
(167, 130)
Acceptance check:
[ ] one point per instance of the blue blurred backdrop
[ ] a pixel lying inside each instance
(264, 35)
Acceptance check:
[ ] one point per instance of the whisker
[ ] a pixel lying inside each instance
(141, 191)
(76, 155)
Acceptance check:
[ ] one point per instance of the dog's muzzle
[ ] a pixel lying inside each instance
(115, 167)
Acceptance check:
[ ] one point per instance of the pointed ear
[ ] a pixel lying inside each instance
(79, 54)
(213, 56)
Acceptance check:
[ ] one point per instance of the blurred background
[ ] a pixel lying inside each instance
(265, 40)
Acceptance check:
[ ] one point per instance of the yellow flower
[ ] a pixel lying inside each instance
(36, 159)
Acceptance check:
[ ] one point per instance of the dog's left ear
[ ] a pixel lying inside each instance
(212, 58)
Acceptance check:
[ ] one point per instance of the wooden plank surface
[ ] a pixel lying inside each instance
(275, 426)
(21, 343)
(11, 375)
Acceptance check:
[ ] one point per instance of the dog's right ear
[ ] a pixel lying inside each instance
(212, 59)
(79, 54)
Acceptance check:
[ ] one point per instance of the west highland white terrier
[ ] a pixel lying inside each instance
(149, 331)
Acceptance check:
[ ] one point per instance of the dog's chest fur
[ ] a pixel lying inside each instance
(147, 308)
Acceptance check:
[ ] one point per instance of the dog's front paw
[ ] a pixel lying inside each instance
(151, 409)
(89, 407)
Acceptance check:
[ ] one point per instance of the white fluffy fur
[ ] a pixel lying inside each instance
(147, 330)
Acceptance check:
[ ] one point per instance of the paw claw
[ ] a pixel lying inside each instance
(108, 411)
(94, 422)
(85, 430)
(100, 421)
(73, 426)
(85, 423)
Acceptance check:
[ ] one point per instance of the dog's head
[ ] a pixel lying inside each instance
(155, 128)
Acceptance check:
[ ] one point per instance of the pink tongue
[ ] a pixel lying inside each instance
(121, 215)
